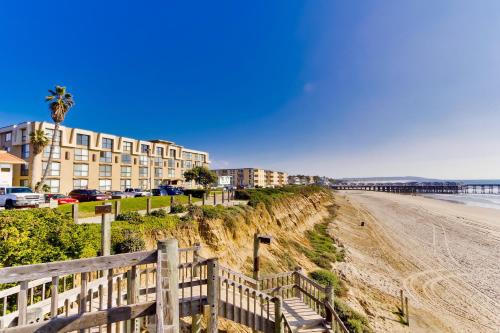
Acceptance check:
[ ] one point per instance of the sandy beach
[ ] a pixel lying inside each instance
(444, 255)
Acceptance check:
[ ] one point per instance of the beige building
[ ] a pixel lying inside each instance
(253, 177)
(87, 159)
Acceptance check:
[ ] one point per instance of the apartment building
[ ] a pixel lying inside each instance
(86, 159)
(301, 180)
(254, 177)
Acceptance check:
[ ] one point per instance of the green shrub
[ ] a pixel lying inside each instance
(196, 193)
(158, 213)
(324, 251)
(268, 195)
(176, 209)
(43, 235)
(131, 241)
(131, 217)
(354, 321)
(326, 277)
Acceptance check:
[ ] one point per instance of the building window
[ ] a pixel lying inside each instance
(24, 136)
(104, 170)
(54, 170)
(81, 170)
(188, 164)
(125, 183)
(53, 184)
(126, 171)
(172, 153)
(143, 184)
(106, 157)
(81, 154)
(158, 161)
(144, 148)
(24, 170)
(25, 151)
(56, 152)
(158, 172)
(126, 159)
(80, 184)
(107, 143)
(82, 140)
(8, 136)
(157, 183)
(49, 132)
(105, 184)
(127, 146)
(171, 172)
(171, 163)
(143, 160)
(159, 151)
(24, 182)
(187, 156)
(143, 172)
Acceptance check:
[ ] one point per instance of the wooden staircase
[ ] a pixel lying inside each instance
(152, 290)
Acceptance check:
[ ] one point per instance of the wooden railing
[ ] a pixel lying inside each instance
(245, 305)
(137, 292)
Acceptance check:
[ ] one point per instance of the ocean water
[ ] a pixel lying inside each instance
(479, 200)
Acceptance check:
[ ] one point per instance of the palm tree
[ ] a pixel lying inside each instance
(60, 103)
(39, 140)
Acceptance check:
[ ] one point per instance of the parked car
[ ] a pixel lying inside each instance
(157, 192)
(137, 192)
(18, 196)
(89, 195)
(119, 194)
(60, 198)
(171, 190)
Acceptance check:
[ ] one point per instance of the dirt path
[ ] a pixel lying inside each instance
(445, 256)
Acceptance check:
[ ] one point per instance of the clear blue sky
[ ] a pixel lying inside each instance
(338, 88)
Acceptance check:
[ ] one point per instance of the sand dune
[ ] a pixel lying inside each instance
(444, 255)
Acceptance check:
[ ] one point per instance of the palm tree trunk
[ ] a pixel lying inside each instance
(49, 161)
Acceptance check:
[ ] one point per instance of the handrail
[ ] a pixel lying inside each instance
(257, 293)
(245, 278)
(312, 282)
(58, 268)
(335, 316)
(277, 275)
(287, 328)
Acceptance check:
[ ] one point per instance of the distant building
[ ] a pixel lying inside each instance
(253, 177)
(301, 180)
(85, 159)
(7, 162)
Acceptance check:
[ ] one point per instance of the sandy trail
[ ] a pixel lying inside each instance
(444, 255)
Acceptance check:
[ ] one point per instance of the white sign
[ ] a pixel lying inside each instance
(224, 180)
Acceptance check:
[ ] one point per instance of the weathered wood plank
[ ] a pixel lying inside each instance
(38, 271)
(87, 320)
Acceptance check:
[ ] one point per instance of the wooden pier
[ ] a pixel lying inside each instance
(152, 290)
(442, 188)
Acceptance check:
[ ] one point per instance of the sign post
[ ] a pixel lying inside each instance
(104, 210)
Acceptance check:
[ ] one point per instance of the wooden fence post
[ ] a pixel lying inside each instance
(190, 199)
(133, 326)
(329, 298)
(203, 199)
(22, 304)
(167, 287)
(105, 235)
(54, 291)
(74, 212)
(223, 197)
(212, 294)
(278, 323)
(196, 318)
(148, 205)
(407, 312)
(118, 208)
(172, 201)
(215, 199)
(297, 272)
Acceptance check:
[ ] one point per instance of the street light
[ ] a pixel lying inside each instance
(257, 240)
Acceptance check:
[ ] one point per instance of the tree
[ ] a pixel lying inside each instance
(60, 103)
(201, 175)
(39, 140)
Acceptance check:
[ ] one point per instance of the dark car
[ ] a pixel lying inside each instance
(158, 192)
(88, 195)
(170, 190)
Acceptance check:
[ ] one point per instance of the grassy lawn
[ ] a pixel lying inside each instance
(87, 209)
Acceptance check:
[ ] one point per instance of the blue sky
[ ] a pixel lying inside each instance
(337, 88)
